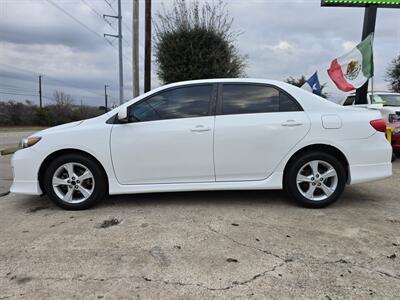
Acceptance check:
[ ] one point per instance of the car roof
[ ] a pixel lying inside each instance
(306, 99)
(222, 80)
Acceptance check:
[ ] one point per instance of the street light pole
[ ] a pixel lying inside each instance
(40, 92)
(147, 47)
(120, 55)
(135, 47)
(106, 97)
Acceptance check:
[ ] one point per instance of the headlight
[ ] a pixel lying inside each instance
(28, 142)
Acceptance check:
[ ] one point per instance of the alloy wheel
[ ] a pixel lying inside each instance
(73, 182)
(317, 180)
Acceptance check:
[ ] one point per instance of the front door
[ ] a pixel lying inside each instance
(169, 139)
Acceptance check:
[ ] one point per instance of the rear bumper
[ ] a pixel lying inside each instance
(371, 172)
(369, 159)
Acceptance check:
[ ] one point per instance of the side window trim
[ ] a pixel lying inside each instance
(211, 103)
(280, 90)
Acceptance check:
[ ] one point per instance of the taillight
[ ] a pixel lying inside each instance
(379, 125)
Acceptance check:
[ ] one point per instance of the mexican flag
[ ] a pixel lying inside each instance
(352, 70)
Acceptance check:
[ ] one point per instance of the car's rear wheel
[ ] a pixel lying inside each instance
(315, 179)
(74, 181)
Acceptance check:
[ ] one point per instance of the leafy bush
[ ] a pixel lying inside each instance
(393, 75)
(196, 42)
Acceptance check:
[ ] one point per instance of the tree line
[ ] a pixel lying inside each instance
(62, 110)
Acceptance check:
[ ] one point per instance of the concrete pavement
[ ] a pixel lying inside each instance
(209, 245)
(206, 245)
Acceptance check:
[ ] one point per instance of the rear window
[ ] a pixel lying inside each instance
(250, 99)
(349, 101)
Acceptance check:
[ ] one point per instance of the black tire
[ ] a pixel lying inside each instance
(290, 178)
(99, 190)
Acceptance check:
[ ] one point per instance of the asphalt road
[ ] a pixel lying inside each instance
(205, 245)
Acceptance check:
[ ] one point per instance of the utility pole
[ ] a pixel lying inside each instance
(119, 36)
(40, 92)
(105, 97)
(147, 47)
(368, 28)
(135, 47)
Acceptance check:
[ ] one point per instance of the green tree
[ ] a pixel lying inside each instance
(195, 41)
(393, 75)
(302, 80)
(296, 81)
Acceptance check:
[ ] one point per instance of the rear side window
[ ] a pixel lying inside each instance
(349, 101)
(250, 99)
(287, 103)
(185, 102)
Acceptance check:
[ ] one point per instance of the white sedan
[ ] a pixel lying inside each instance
(222, 134)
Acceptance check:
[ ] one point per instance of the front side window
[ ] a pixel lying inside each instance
(184, 102)
(250, 99)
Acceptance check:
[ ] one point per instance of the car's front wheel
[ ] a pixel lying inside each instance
(315, 179)
(74, 181)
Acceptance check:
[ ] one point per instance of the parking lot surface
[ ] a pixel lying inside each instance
(204, 245)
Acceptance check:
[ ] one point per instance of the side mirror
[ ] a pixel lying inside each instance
(122, 114)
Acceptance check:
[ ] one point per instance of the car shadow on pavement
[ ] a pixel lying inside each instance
(224, 198)
(218, 198)
(268, 199)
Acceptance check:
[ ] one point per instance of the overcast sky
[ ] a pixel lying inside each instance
(281, 39)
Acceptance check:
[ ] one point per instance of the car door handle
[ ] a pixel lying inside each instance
(291, 123)
(200, 128)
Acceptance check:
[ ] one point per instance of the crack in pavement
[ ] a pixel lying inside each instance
(317, 262)
(248, 246)
(388, 274)
(228, 287)
(352, 264)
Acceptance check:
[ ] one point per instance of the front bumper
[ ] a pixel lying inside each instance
(25, 164)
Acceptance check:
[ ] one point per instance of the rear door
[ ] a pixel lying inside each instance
(255, 127)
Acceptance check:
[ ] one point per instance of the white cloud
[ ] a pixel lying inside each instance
(349, 45)
(282, 46)
(281, 39)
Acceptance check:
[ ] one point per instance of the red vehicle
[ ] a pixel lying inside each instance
(395, 137)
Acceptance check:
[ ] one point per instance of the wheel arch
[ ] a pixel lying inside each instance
(61, 152)
(334, 151)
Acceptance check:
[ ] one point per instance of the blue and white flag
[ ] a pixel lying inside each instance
(312, 85)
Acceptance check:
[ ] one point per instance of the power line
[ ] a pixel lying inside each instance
(94, 10)
(85, 26)
(50, 78)
(20, 94)
(74, 18)
(18, 69)
(109, 4)
(14, 88)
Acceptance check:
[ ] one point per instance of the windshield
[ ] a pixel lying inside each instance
(387, 99)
